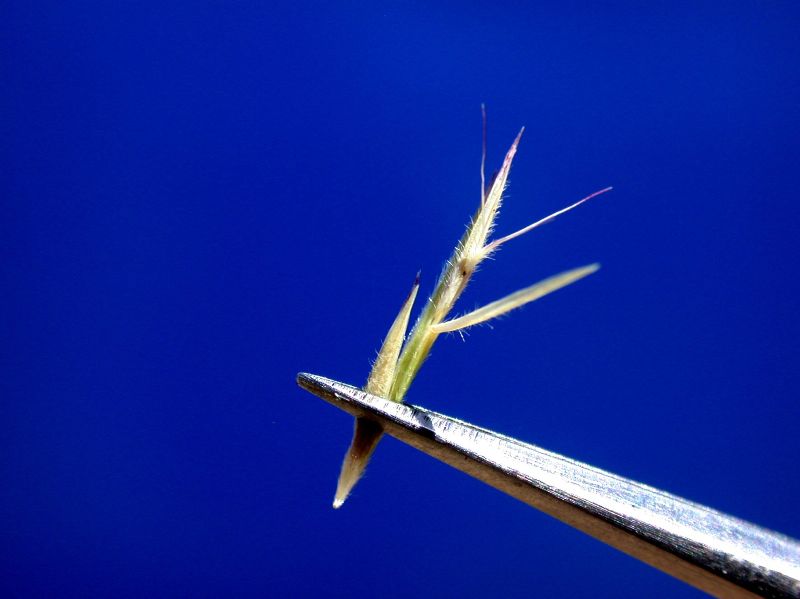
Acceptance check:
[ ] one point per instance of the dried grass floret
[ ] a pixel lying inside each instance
(398, 362)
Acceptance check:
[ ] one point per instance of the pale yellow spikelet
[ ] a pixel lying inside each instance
(395, 368)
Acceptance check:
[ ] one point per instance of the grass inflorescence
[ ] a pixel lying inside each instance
(400, 359)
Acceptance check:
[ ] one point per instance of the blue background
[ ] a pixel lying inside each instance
(202, 199)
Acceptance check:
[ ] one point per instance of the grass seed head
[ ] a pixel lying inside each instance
(398, 363)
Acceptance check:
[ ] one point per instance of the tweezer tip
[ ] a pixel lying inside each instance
(310, 382)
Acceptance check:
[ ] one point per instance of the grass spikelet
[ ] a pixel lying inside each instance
(395, 368)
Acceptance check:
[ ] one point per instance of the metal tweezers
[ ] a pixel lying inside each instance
(717, 553)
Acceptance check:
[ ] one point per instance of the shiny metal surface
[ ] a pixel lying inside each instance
(720, 554)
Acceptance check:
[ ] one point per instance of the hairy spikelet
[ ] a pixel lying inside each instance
(395, 369)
